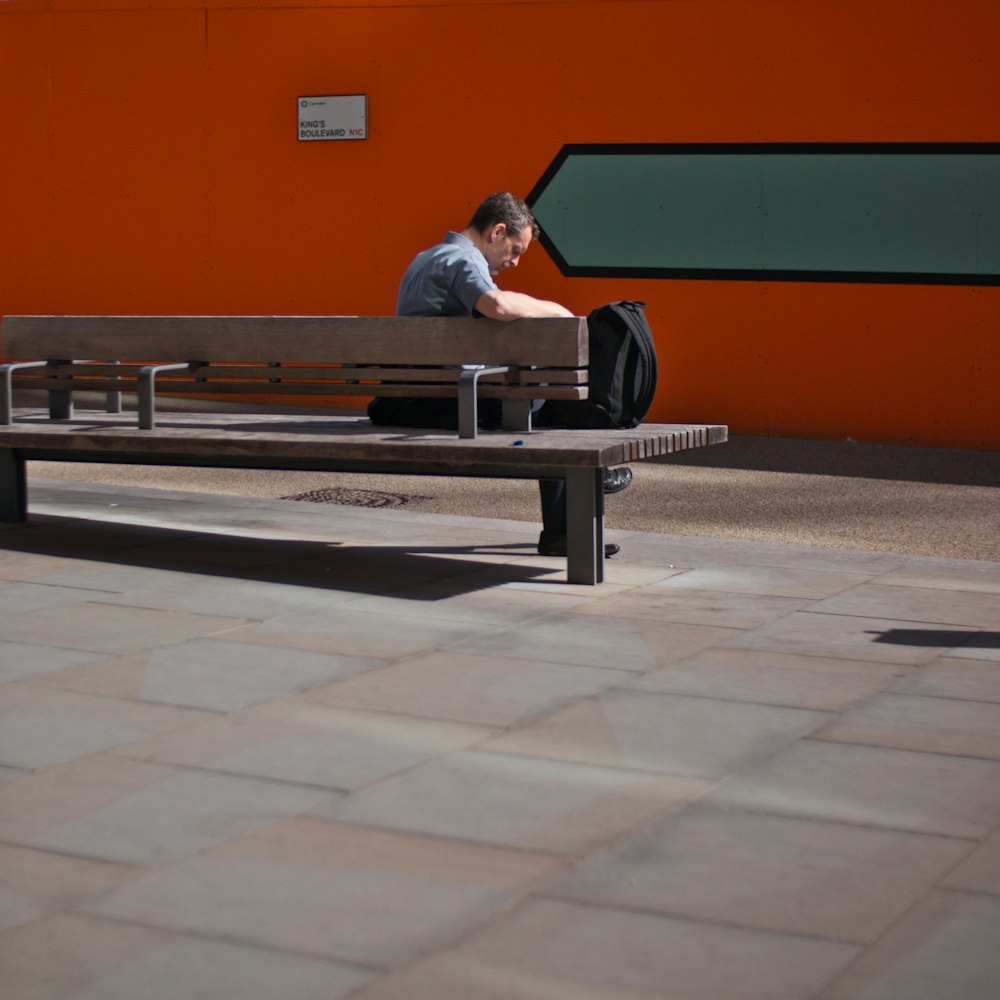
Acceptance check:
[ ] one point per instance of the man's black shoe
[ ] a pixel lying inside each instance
(615, 480)
(555, 545)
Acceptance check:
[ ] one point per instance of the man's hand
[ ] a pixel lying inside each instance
(503, 305)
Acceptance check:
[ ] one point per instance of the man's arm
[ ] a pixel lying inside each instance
(504, 305)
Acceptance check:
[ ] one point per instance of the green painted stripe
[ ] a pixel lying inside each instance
(909, 210)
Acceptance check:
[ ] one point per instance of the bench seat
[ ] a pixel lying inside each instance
(318, 358)
(349, 444)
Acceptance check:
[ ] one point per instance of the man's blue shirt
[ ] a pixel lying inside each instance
(445, 280)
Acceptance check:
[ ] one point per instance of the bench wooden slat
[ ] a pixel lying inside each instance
(187, 386)
(438, 340)
(83, 373)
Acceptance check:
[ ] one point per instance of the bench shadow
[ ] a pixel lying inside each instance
(946, 638)
(422, 572)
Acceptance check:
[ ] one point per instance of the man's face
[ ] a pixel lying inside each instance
(504, 249)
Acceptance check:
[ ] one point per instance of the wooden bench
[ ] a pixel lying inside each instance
(320, 441)
(304, 356)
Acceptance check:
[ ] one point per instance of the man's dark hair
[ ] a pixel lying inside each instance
(506, 208)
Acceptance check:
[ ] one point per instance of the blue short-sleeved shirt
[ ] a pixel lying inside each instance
(445, 280)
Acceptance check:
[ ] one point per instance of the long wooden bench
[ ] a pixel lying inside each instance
(304, 356)
(324, 441)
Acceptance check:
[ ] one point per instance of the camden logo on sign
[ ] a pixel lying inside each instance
(326, 119)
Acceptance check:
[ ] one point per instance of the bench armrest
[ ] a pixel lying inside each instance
(147, 389)
(6, 387)
(468, 409)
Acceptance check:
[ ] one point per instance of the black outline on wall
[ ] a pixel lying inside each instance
(723, 274)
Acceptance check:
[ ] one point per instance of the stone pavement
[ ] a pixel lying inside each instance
(264, 749)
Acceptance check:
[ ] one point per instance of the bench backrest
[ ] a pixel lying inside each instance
(370, 340)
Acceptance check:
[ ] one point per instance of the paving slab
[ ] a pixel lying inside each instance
(854, 637)
(945, 947)
(564, 950)
(529, 804)
(257, 747)
(210, 673)
(914, 722)
(104, 580)
(40, 726)
(874, 786)
(356, 633)
(467, 687)
(941, 574)
(308, 887)
(980, 872)
(630, 645)
(795, 876)
(719, 609)
(975, 608)
(89, 958)
(19, 598)
(661, 733)
(784, 581)
(34, 883)
(20, 660)
(139, 813)
(303, 743)
(223, 594)
(794, 680)
(101, 628)
(970, 677)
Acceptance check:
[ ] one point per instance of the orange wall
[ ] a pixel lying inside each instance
(150, 164)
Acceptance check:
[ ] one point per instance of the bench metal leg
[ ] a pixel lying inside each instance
(468, 412)
(113, 400)
(13, 488)
(6, 396)
(146, 401)
(584, 526)
(516, 415)
(60, 404)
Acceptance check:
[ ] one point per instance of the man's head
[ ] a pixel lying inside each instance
(503, 228)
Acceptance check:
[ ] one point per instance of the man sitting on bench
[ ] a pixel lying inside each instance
(455, 278)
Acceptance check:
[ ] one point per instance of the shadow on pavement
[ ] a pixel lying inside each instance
(333, 565)
(847, 458)
(939, 637)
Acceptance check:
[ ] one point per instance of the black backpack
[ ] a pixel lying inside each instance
(622, 371)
